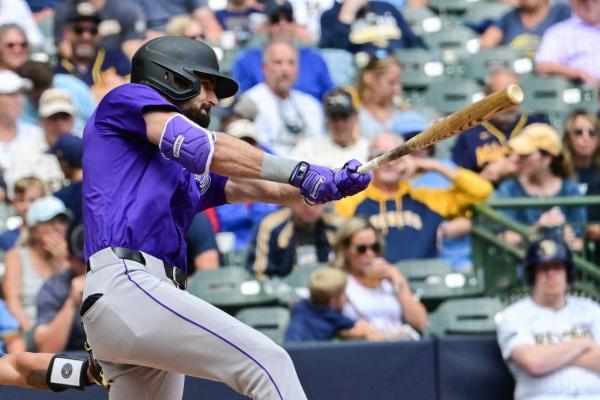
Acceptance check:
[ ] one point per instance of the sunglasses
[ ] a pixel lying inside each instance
(362, 248)
(282, 16)
(80, 30)
(12, 45)
(197, 37)
(579, 132)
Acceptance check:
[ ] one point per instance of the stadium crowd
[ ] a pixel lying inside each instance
(325, 82)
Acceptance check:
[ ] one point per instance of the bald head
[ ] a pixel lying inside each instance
(384, 142)
(501, 79)
(280, 67)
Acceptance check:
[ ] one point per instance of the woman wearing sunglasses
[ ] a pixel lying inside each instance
(14, 47)
(581, 149)
(376, 291)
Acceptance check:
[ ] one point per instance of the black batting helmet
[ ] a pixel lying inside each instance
(169, 63)
(547, 250)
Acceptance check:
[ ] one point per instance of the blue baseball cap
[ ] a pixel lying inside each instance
(45, 209)
(69, 148)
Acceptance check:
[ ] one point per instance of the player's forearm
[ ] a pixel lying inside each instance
(53, 337)
(589, 360)
(253, 190)
(546, 358)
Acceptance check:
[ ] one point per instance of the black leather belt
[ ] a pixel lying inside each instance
(177, 275)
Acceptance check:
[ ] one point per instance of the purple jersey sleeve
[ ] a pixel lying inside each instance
(122, 110)
(216, 195)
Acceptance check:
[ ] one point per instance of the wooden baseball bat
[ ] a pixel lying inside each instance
(458, 122)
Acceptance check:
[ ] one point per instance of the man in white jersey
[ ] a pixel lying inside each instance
(551, 340)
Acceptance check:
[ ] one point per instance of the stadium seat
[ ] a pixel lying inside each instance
(474, 316)
(421, 20)
(451, 95)
(271, 321)
(483, 11)
(479, 65)
(420, 67)
(453, 42)
(341, 66)
(290, 288)
(229, 288)
(451, 6)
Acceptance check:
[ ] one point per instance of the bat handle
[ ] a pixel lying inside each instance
(369, 166)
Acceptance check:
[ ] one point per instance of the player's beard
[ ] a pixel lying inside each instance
(200, 115)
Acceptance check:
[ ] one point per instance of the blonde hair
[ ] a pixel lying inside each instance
(344, 235)
(375, 67)
(22, 185)
(326, 284)
(567, 149)
(177, 24)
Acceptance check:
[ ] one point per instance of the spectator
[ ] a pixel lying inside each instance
(241, 18)
(308, 13)
(158, 13)
(43, 78)
(31, 158)
(17, 12)
(185, 25)
(297, 235)
(203, 253)
(409, 217)
(25, 191)
(321, 318)
(551, 340)
(344, 140)
(241, 218)
(102, 69)
(68, 150)
(14, 47)
(366, 25)
(542, 174)
(11, 340)
(123, 25)
(43, 255)
(378, 85)
(524, 27)
(286, 115)
(572, 48)
(59, 327)
(377, 292)
(13, 131)
(484, 148)
(312, 77)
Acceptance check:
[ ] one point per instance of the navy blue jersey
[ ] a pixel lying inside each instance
(309, 323)
(106, 62)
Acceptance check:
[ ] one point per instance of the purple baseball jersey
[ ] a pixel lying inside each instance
(132, 196)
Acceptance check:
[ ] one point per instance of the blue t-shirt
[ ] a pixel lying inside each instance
(8, 239)
(574, 216)
(241, 219)
(132, 195)
(200, 237)
(309, 322)
(50, 300)
(71, 195)
(8, 324)
(518, 36)
(313, 75)
(106, 61)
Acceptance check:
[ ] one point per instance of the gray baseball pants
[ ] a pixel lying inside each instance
(147, 335)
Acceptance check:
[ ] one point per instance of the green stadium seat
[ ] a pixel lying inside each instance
(341, 66)
(451, 6)
(420, 68)
(480, 65)
(474, 316)
(482, 11)
(451, 95)
(421, 20)
(290, 288)
(457, 39)
(271, 321)
(229, 288)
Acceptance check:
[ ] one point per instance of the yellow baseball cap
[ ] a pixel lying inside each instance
(536, 137)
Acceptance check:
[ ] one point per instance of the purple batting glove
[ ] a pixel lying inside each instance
(349, 181)
(316, 183)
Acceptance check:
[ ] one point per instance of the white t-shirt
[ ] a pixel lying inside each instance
(527, 323)
(277, 119)
(325, 152)
(379, 306)
(18, 12)
(27, 134)
(30, 159)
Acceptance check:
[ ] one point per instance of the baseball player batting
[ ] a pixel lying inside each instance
(149, 166)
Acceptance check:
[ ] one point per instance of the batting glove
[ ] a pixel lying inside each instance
(320, 185)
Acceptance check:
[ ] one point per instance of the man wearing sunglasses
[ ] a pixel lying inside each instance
(100, 68)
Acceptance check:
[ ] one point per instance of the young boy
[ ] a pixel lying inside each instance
(321, 318)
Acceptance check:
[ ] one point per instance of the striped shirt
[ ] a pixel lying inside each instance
(572, 43)
(527, 323)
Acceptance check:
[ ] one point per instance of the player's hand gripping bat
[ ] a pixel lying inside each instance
(470, 116)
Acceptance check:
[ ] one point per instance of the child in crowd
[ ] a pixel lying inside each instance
(321, 318)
